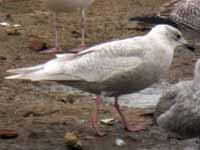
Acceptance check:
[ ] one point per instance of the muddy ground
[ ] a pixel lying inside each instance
(42, 116)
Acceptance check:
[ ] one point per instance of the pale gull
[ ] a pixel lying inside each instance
(178, 111)
(57, 6)
(112, 68)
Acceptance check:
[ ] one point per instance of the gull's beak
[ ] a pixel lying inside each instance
(188, 46)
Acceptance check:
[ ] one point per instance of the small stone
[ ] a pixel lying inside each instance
(120, 142)
(72, 140)
(89, 137)
(76, 34)
(4, 24)
(108, 121)
(16, 25)
(3, 58)
(137, 27)
(12, 31)
(37, 44)
(8, 133)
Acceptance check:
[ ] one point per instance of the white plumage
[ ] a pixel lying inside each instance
(102, 61)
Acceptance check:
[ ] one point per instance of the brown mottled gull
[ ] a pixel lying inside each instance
(112, 68)
(186, 14)
(178, 111)
(57, 6)
(182, 14)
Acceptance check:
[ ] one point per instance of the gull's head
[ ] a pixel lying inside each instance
(170, 36)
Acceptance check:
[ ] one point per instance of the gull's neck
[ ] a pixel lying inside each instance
(196, 81)
(162, 40)
(164, 52)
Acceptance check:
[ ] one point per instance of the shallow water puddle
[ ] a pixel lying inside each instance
(147, 98)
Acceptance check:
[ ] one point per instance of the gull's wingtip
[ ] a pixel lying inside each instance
(17, 76)
(10, 71)
(12, 77)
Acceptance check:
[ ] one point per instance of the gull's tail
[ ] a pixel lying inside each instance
(29, 73)
(25, 70)
(39, 73)
(55, 70)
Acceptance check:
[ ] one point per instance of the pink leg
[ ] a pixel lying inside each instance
(125, 123)
(56, 49)
(83, 45)
(83, 28)
(4, 16)
(95, 116)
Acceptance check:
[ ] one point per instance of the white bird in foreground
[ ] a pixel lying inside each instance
(57, 6)
(178, 111)
(113, 68)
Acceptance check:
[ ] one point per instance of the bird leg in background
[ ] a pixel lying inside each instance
(83, 45)
(57, 48)
(2, 2)
(95, 116)
(127, 127)
(83, 20)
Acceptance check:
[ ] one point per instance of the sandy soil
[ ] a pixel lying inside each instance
(41, 117)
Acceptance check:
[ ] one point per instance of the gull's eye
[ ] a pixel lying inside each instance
(178, 36)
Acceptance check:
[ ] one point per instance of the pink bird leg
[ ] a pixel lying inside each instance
(83, 45)
(57, 48)
(127, 127)
(2, 2)
(95, 116)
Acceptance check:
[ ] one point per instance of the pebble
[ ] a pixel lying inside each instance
(37, 44)
(8, 133)
(12, 31)
(4, 24)
(108, 121)
(120, 142)
(137, 27)
(73, 141)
